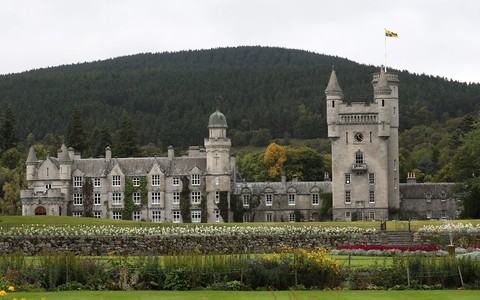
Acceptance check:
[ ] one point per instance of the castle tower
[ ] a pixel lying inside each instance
(364, 139)
(218, 171)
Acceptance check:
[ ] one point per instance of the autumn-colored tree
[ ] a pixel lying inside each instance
(275, 157)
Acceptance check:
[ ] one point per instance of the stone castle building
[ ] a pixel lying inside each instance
(204, 185)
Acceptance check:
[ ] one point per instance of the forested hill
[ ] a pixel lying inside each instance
(264, 93)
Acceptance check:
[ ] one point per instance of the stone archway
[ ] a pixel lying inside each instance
(40, 211)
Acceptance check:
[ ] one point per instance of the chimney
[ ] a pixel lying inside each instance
(294, 178)
(411, 177)
(284, 180)
(108, 153)
(326, 176)
(171, 153)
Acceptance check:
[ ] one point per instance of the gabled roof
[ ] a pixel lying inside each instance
(419, 190)
(301, 187)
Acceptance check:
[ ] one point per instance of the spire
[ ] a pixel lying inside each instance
(382, 87)
(32, 157)
(63, 154)
(333, 88)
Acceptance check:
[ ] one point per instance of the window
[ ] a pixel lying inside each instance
(291, 217)
(443, 214)
(217, 215)
(196, 216)
(372, 215)
(428, 196)
(246, 200)
(176, 181)
(195, 179)
(136, 198)
(443, 196)
(77, 214)
(348, 197)
(77, 181)
(268, 217)
(176, 198)
(97, 214)
(156, 197)
(96, 182)
(97, 199)
(156, 216)
(246, 218)
(155, 180)
(77, 199)
(371, 196)
(348, 216)
(346, 137)
(315, 199)
(117, 215)
(371, 178)
(136, 215)
(429, 214)
(291, 199)
(116, 180)
(176, 216)
(136, 181)
(359, 216)
(394, 111)
(217, 197)
(359, 157)
(196, 197)
(268, 199)
(348, 178)
(48, 186)
(395, 164)
(117, 199)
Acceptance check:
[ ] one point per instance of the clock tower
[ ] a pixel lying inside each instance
(364, 139)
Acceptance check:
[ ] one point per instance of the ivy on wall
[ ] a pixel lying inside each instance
(87, 190)
(223, 206)
(237, 208)
(203, 205)
(185, 200)
(129, 206)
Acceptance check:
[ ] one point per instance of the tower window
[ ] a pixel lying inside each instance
(333, 103)
(348, 197)
(383, 103)
(348, 178)
(359, 157)
(346, 137)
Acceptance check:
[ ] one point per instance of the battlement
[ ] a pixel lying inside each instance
(368, 118)
(391, 77)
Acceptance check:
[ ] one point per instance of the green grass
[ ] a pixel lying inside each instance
(277, 295)
(49, 220)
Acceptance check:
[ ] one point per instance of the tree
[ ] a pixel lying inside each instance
(274, 157)
(127, 142)
(8, 131)
(75, 133)
(466, 172)
(305, 163)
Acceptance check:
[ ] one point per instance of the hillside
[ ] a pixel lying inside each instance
(264, 92)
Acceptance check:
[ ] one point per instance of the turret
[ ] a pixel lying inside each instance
(334, 99)
(31, 163)
(65, 163)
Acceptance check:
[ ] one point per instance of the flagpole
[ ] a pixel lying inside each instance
(385, 62)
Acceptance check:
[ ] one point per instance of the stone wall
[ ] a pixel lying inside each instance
(149, 245)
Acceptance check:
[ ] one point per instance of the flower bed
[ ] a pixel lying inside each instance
(384, 250)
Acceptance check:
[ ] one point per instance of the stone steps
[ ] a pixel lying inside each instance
(398, 238)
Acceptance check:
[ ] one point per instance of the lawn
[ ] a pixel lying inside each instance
(277, 295)
(7, 221)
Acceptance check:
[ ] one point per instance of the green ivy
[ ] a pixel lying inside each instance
(128, 206)
(223, 206)
(143, 191)
(203, 205)
(237, 208)
(87, 190)
(185, 200)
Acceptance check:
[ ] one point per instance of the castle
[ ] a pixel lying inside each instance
(204, 185)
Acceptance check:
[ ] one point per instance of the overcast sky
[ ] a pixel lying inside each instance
(435, 37)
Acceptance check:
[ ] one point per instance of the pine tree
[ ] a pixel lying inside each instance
(75, 134)
(8, 131)
(127, 142)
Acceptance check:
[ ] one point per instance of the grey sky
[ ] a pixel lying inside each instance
(436, 37)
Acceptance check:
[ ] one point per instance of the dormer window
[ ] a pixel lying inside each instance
(77, 181)
(195, 179)
(116, 181)
(428, 197)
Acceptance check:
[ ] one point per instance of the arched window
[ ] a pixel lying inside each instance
(40, 211)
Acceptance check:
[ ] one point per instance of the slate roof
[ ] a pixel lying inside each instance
(303, 187)
(419, 190)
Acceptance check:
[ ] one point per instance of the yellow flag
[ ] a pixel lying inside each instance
(390, 33)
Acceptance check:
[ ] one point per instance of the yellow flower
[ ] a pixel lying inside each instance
(2, 293)
(11, 288)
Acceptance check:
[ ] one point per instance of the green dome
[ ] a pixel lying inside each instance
(217, 120)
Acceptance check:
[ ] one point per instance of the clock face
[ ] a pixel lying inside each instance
(358, 137)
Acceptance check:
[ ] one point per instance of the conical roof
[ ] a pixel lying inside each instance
(32, 156)
(382, 86)
(333, 87)
(63, 154)
(217, 120)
